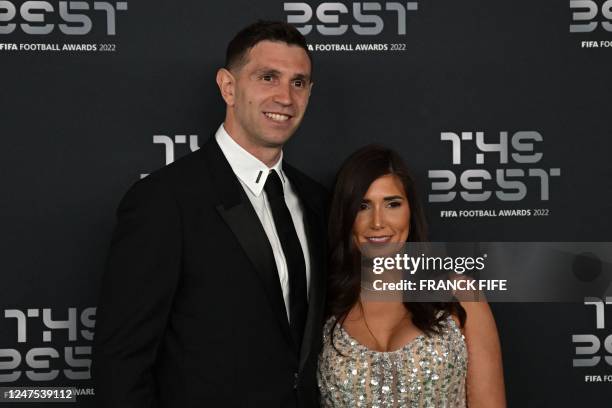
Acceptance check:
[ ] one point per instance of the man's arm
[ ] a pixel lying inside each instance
(136, 295)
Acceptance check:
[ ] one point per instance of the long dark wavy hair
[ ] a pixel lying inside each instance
(354, 178)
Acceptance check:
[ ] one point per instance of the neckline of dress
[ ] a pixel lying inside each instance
(365, 348)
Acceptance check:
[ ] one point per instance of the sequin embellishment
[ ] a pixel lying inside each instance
(428, 372)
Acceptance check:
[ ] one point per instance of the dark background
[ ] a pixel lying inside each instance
(77, 130)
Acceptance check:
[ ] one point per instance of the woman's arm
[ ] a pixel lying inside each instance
(485, 377)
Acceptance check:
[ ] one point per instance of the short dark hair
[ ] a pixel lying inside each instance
(248, 37)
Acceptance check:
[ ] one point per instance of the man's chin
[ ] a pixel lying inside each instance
(274, 138)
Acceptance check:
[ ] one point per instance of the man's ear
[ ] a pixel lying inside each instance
(310, 89)
(226, 83)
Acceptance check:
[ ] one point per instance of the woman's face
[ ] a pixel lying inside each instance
(384, 216)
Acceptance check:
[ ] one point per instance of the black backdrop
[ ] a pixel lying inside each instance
(79, 127)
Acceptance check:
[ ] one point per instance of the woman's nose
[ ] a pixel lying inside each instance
(377, 218)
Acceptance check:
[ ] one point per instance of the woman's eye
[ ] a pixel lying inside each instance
(394, 204)
(363, 206)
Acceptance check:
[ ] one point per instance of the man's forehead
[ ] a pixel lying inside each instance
(278, 56)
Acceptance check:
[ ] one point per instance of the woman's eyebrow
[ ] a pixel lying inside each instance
(388, 198)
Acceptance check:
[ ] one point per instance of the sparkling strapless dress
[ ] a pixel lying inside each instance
(428, 372)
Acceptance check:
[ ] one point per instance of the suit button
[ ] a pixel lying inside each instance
(295, 380)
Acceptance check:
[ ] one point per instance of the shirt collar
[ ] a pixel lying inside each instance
(248, 168)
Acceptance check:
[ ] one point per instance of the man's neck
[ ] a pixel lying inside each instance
(267, 155)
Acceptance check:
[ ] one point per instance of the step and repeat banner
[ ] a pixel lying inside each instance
(501, 109)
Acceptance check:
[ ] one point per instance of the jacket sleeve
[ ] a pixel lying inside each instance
(136, 294)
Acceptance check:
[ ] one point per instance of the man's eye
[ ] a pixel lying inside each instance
(267, 77)
(299, 83)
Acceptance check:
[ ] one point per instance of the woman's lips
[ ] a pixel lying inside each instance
(379, 239)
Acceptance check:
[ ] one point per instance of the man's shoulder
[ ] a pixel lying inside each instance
(192, 166)
(188, 173)
(314, 190)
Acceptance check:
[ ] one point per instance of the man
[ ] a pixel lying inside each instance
(214, 290)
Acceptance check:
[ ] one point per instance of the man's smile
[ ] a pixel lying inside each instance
(277, 117)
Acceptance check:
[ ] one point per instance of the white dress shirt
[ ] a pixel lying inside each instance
(252, 174)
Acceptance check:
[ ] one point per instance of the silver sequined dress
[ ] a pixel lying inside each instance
(428, 372)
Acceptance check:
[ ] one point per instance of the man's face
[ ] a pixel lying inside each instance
(271, 93)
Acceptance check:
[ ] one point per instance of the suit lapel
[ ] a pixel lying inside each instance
(315, 234)
(317, 296)
(238, 213)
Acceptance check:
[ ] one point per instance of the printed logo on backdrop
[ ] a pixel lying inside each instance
(495, 172)
(594, 351)
(80, 24)
(591, 22)
(352, 26)
(171, 144)
(46, 348)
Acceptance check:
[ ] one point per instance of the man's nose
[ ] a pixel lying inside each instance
(283, 95)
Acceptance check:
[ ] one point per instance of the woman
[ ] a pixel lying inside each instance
(395, 354)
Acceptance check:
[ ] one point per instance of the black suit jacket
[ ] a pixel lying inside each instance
(191, 312)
